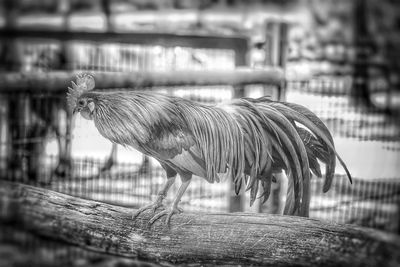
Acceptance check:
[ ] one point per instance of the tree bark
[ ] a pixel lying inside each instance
(59, 81)
(236, 238)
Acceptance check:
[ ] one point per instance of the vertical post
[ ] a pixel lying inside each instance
(105, 4)
(276, 44)
(67, 64)
(283, 44)
(7, 63)
(11, 59)
(363, 50)
(64, 7)
(236, 202)
(10, 55)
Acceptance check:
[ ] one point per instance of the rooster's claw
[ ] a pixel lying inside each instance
(153, 207)
(169, 212)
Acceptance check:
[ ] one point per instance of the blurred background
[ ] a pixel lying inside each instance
(340, 59)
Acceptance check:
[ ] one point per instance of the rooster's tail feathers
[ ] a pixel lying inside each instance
(307, 118)
(296, 136)
(265, 131)
(252, 138)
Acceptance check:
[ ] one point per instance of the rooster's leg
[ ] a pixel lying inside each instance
(160, 197)
(64, 166)
(174, 209)
(112, 158)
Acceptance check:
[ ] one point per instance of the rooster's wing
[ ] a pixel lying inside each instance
(177, 149)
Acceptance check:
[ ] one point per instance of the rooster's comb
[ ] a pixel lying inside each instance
(84, 82)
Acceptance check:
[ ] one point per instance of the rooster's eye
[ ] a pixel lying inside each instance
(81, 102)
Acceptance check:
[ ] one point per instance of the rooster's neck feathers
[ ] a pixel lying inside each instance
(129, 118)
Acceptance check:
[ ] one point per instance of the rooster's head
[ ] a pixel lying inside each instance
(77, 100)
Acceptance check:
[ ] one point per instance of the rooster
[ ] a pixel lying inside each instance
(249, 140)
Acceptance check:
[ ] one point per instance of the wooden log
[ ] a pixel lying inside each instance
(237, 238)
(59, 81)
(19, 247)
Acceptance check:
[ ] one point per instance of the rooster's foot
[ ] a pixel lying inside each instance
(107, 165)
(153, 207)
(168, 212)
(63, 168)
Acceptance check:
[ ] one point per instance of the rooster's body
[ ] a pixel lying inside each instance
(250, 139)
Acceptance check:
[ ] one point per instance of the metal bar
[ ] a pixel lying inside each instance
(59, 81)
(237, 43)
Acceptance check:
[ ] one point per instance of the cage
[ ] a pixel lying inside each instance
(42, 145)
